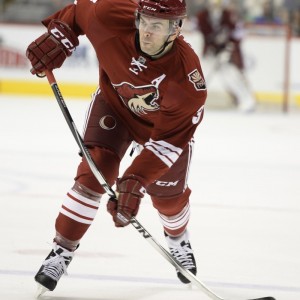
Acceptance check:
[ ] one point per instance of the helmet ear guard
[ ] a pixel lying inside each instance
(174, 25)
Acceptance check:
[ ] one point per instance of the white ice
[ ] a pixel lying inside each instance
(245, 222)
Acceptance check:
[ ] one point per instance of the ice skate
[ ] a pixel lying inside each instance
(54, 266)
(181, 249)
(247, 106)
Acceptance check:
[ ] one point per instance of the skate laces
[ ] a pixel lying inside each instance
(183, 254)
(56, 265)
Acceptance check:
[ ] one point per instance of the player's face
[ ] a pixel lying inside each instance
(153, 34)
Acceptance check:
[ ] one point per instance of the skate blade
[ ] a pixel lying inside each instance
(40, 290)
(188, 286)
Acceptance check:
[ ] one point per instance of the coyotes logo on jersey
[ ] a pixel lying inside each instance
(141, 99)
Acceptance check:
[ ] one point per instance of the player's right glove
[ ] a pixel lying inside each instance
(50, 50)
(130, 192)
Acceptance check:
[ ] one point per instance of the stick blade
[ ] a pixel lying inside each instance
(264, 298)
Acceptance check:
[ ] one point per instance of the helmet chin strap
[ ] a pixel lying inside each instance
(164, 46)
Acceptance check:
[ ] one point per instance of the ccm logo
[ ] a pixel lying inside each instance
(149, 8)
(140, 229)
(166, 183)
(55, 32)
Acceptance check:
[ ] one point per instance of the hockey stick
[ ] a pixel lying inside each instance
(136, 224)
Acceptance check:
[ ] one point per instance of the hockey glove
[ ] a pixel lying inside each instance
(130, 192)
(50, 50)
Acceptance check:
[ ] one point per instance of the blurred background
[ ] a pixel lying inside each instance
(274, 11)
(248, 51)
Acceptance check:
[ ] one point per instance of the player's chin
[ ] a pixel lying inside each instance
(148, 51)
(147, 48)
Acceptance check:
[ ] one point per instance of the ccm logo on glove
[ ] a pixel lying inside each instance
(59, 35)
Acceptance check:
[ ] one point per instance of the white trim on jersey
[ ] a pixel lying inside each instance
(178, 221)
(166, 152)
(79, 208)
(88, 112)
(191, 148)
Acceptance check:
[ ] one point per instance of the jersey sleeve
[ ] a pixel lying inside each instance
(66, 15)
(101, 17)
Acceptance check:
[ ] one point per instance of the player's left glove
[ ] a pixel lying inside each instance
(130, 192)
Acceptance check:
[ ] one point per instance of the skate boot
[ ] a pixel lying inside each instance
(54, 266)
(181, 249)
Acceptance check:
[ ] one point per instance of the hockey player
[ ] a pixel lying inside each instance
(152, 92)
(222, 34)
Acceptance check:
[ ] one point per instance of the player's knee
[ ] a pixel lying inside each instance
(106, 161)
(174, 212)
(171, 205)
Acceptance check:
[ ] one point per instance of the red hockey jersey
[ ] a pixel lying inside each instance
(161, 101)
